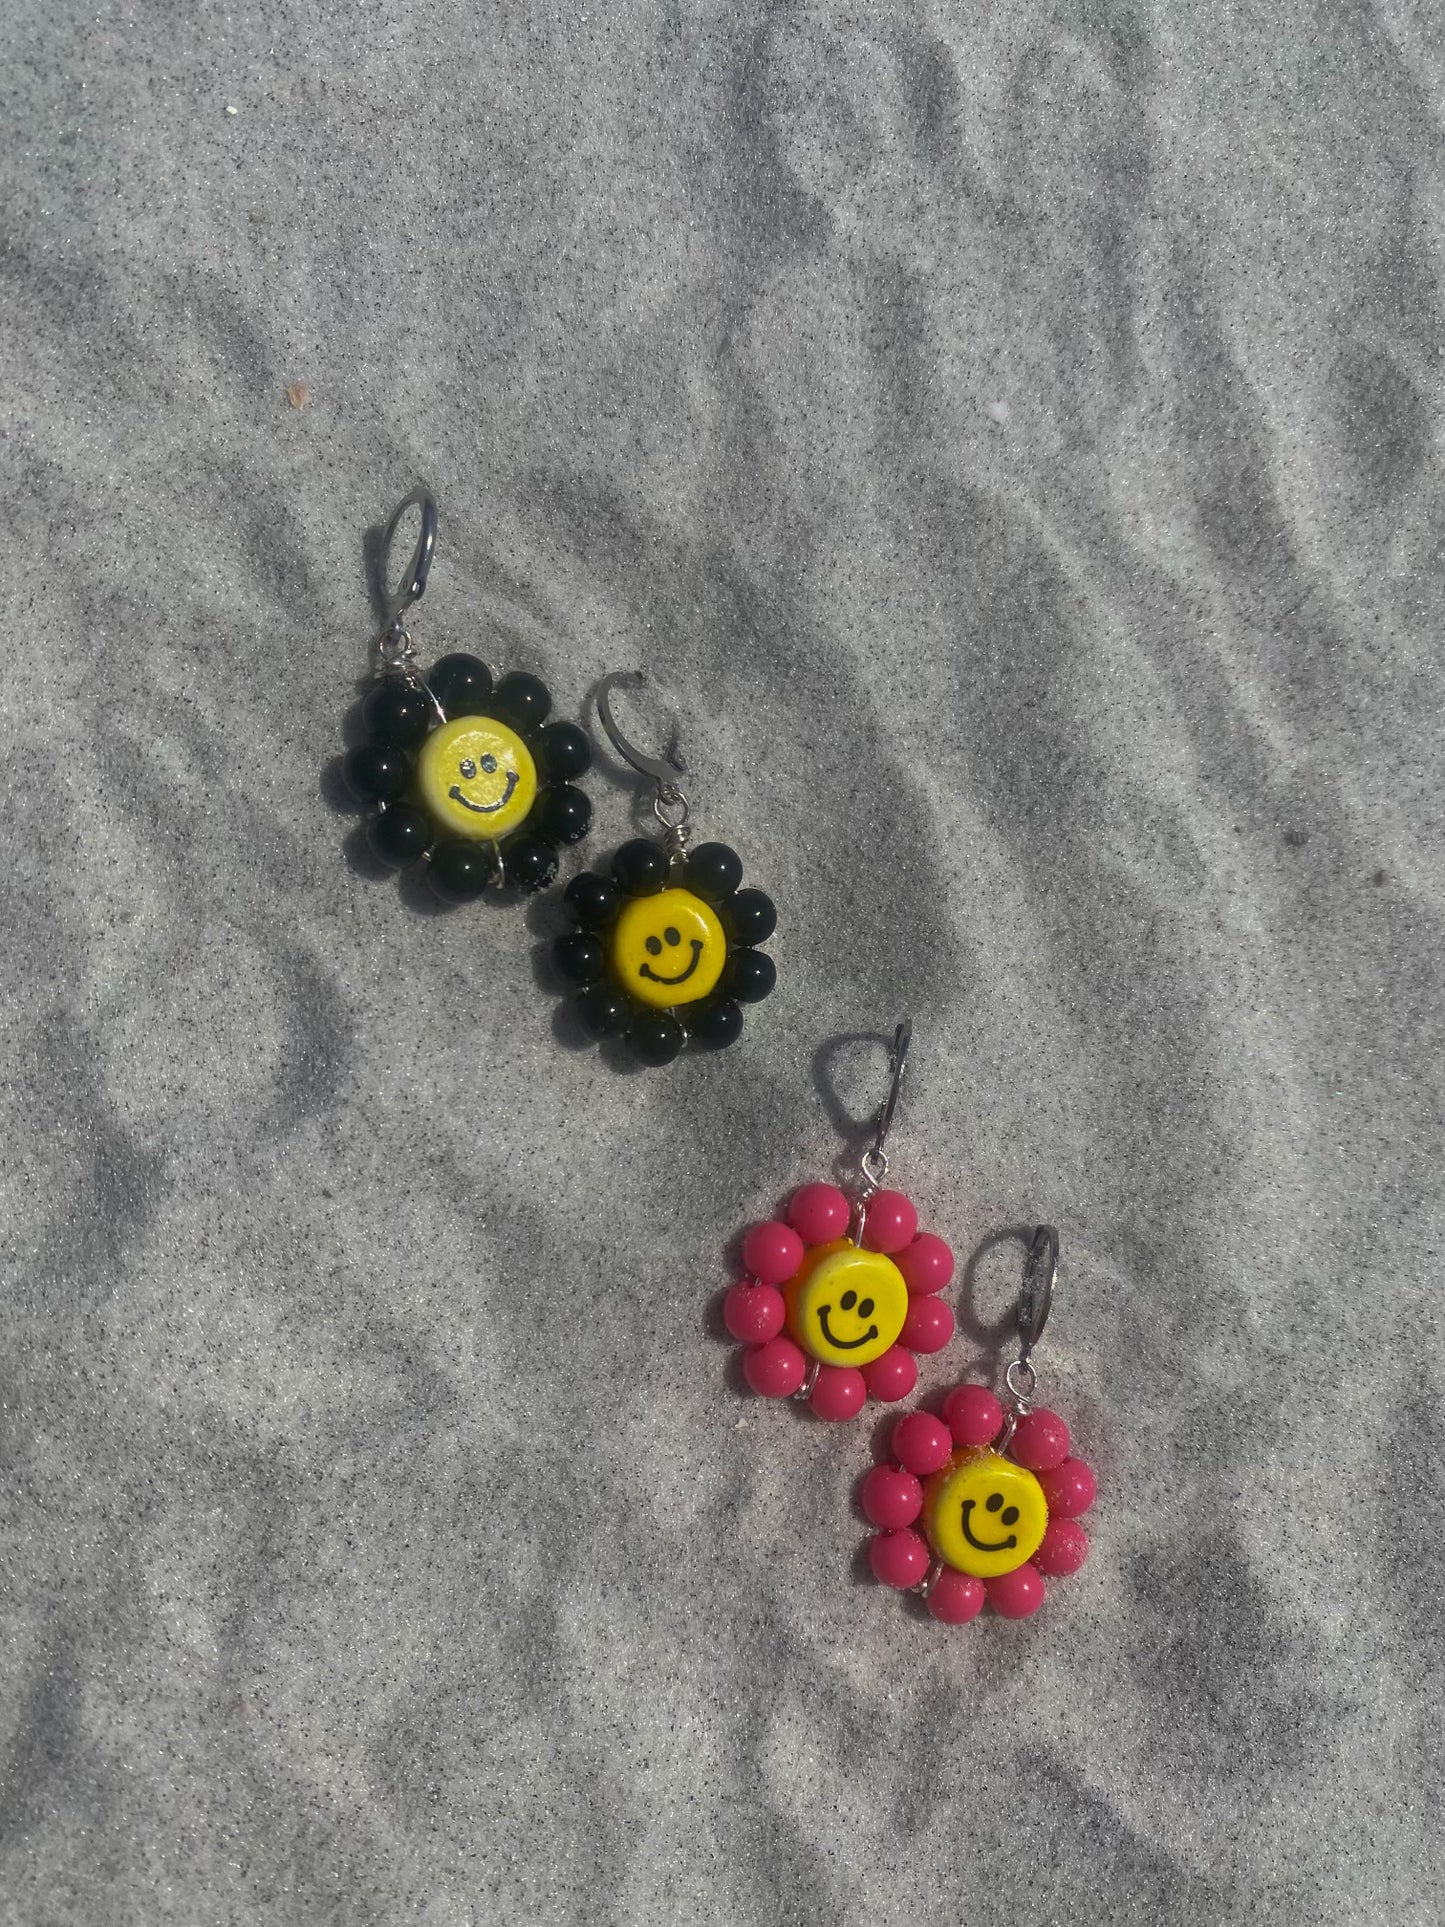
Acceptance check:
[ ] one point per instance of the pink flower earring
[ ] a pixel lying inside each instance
(983, 1504)
(839, 1298)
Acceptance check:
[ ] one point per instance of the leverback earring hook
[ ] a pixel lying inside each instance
(669, 805)
(874, 1161)
(1036, 1298)
(413, 584)
(394, 644)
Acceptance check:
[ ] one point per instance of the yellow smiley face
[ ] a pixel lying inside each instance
(846, 1306)
(668, 949)
(984, 1514)
(476, 777)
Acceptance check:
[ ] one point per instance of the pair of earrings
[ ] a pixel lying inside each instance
(467, 777)
(974, 1506)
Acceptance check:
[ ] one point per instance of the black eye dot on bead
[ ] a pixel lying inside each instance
(468, 768)
(848, 1300)
(1010, 1516)
(994, 1501)
(654, 947)
(489, 764)
(673, 936)
(865, 1310)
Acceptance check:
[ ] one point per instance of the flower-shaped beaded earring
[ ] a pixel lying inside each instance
(993, 1489)
(853, 1280)
(463, 769)
(665, 950)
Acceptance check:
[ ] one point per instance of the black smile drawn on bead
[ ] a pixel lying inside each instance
(846, 1344)
(486, 809)
(648, 971)
(983, 1545)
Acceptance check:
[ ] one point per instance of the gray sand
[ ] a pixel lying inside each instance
(1016, 449)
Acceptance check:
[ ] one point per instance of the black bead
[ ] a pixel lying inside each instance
(593, 900)
(716, 1023)
(460, 870)
(749, 917)
(564, 815)
(566, 751)
(603, 1011)
(376, 773)
(462, 685)
(401, 834)
(579, 958)
(655, 1037)
(397, 712)
(640, 867)
(750, 975)
(531, 864)
(522, 701)
(713, 871)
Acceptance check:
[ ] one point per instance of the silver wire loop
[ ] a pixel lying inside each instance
(412, 585)
(930, 1579)
(1041, 1273)
(395, 647)
(669, 806)
(1022, 1381)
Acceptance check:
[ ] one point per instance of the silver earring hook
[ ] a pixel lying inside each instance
(395, 649)
(662, 768)
(413, 584)
(874, 1161)
(669, 805)
(1036, 1298)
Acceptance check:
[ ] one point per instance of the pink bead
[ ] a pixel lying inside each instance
(898, 1558)
(819, 1213)
(1069, 1488)
(891, 1497)
(772, 1252)
(893, 1376)
(927, 1325)
(775, 1370)
(1016, 1594)
(891, 1222)
(753, 1313)
(1064, 1548)
(926, 1264)
(956, 1597)
(973, 1415)
(1040, 1441)
(922, 1443)
(839, 1392)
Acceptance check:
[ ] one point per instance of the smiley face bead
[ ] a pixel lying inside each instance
(837, 1320)
(984, 1514)
(669, 949)
(846, 1306)
(477, 778)
(666, 949)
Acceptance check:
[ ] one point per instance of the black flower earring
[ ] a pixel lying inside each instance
(464, 770)
(665, 950)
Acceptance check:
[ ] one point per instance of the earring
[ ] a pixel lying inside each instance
(462, 768)
(838, 1299)
(984, 1503)
(665, 946)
